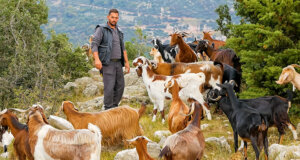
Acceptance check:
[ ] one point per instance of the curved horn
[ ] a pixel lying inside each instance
(191, 112)
(133, 139)
(2, 112)
(233, 83)
(216, 99)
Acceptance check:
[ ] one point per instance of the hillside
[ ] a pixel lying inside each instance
(77, 18)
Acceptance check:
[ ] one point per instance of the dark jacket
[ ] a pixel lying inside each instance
(104, 44)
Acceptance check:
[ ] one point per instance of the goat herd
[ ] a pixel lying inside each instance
(175, 74)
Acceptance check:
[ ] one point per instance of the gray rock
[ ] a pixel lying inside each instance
(131, 154)
(94, 72)
(219, 141)
(282, 152)
(132, 78)
(70, 86)
(90, 90)
(95, 103)
(160, 134)
(203, 126)
(82, 82)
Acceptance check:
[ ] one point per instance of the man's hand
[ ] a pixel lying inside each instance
(127, 67)
(98, 64)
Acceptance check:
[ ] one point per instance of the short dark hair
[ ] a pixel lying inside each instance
(113, 11)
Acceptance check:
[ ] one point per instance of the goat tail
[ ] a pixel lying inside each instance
(96, 130)
(166, 151)
(142, 110)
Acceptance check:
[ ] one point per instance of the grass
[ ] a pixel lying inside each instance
(218, 127)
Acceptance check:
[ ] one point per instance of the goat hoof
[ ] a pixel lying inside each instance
(154, 118)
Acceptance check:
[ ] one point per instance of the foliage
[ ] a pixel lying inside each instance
(224, 20)
(266, 40)
(137, 46)
(31, 67)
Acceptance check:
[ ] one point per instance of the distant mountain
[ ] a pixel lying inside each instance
(157, 18)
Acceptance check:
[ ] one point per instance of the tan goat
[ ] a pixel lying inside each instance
(116, 124)
(289, 74)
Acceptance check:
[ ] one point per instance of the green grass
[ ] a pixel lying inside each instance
(216, 128)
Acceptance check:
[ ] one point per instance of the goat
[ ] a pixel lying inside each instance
(20, 131)
(47, 142)
(189, 81)
(176, 120)
(275, 107)
(227, 56)
(140, 142)
(213, 71)
(188, 143)
(289, 74)
(186, 53)
(156, 55)
(247, 122)
(115, 124)
(217, 43)
(168, 53)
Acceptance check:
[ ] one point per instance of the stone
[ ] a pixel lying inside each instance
(203, 126)
(160, 134)
(282, 152)
(219, 141)
(90, 90)
(70, 86)
(96, 103)
(82, 82)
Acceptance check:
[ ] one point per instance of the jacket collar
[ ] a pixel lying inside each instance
(107, 26)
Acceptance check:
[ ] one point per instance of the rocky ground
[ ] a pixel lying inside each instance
(217, 132)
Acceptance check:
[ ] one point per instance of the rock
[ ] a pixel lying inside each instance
(135, 90)
(153, 149)
(132, 78)
(82, 82)
(60, 123)
(95, 103)
(162, 141)
(203, 126)
(90, 90)
(94, 72)
(282, 152)
(70, 86)
(131, 154)
(128, 154)
(160, 134)
(219, 141)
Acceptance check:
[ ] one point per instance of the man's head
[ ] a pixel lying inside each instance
(113, 17)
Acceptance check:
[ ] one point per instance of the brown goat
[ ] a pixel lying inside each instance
(185, 53)
(217, 43)
(176, 120)
(189, 143)
(115, 124)
(140, 143)
(289, 74)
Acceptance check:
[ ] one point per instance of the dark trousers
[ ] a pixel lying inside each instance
(113, 79)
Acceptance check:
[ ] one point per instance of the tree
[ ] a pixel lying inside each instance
(266, 40)
(224, 20)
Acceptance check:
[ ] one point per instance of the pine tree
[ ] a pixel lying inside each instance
(266, 40)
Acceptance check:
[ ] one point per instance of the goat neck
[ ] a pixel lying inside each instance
(141, 148)
(182, 45)
(296, 81)
(233, 99)
(209, 51)
(147, 74)
(14, 125)
(197, 115)
(175, 91)
(35, 122)
(207, 36)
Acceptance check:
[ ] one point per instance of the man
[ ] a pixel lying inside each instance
(110, 56)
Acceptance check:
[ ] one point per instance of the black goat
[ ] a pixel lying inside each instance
(167, 52)
(246, 122)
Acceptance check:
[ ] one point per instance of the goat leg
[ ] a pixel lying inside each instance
(162, 116)
(266, 143)
(236, 142)
(154, 115)
(245, 150)
(255, 147)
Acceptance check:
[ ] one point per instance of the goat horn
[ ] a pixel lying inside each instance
(295, 65)
(233, 83)
(191, 112)
(2, 112)
(216, 99)
(133, 139)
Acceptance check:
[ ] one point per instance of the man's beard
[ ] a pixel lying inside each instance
(112, 24)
